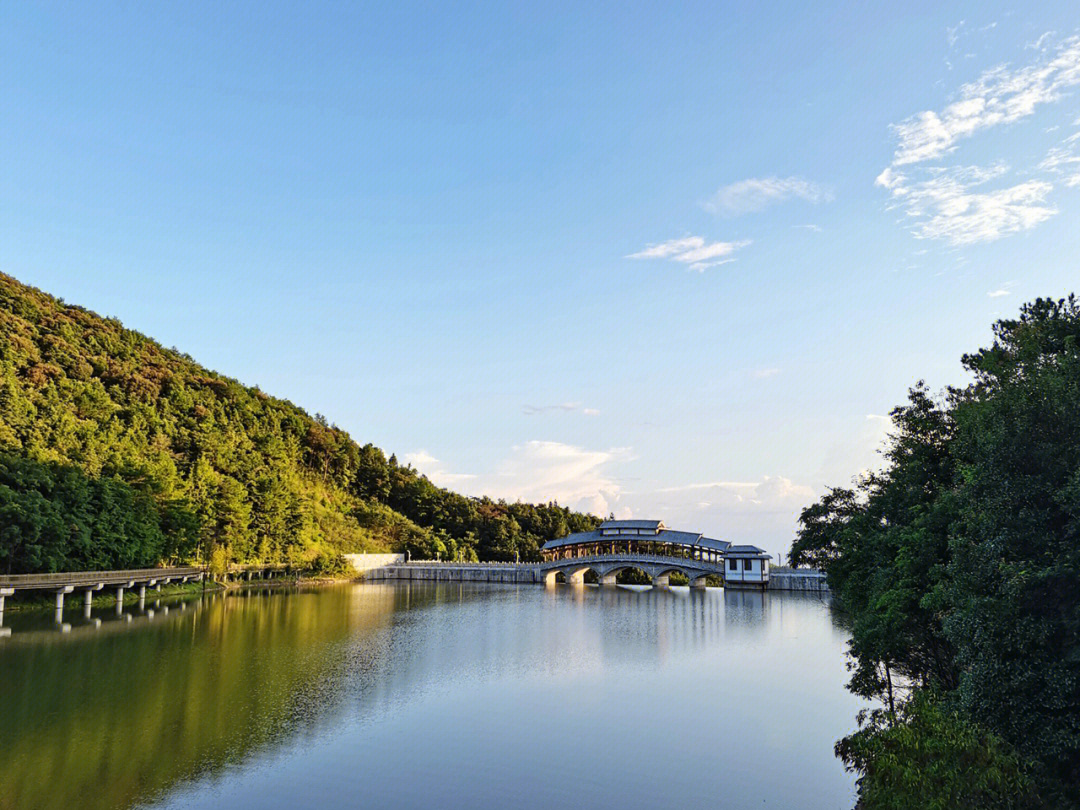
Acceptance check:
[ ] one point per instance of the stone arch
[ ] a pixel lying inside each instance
(698, 580)
(609, 576)
(552, 577)
(571, 574)
(662, 574)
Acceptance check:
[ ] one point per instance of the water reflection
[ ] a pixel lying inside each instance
(423, 694)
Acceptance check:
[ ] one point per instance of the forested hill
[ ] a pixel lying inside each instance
(116, 452)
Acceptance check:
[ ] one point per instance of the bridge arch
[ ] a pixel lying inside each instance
(610, 573)
(662, 574)
(572, 574)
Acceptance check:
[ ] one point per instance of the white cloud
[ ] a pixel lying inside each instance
(891, 180)
(764, 373)
(539, 472)
(1002, 291)
(757, 193)
(669, 248)
(1064, 161)
(953, 34)
(565, 407)
(701, 267)
(764, 512)
(421, 459)
(531, 410)
(766, 492)
(947, 206)
(999, 96)
(1040, 43)
(692, 251)
(430, 466)
(760, 511)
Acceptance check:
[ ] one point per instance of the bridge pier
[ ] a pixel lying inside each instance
(660, 581)
(60, 593)
(4, 592)
(610, 579)
(88, 595)
(698, 583)
(120, 596)
(575, 577)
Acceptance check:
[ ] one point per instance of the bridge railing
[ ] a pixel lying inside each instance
(662, 559)
(488, 564)
(29, 581)
(620, 557)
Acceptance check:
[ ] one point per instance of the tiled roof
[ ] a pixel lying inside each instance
(748, 551)
(632, 524)
(665, 536)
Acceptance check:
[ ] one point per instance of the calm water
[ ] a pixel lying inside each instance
(432, 696)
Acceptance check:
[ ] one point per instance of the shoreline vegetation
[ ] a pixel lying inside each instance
(116, 452)
(958, 564)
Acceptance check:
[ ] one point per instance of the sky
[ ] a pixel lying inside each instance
(671, 261)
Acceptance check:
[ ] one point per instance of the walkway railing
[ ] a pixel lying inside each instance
(488, 564)
(663, 559)
(76, 578)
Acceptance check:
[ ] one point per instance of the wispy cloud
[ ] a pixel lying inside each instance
(999, 96)
(532, 410)
(1002, 291)
(693, 251)
(565, 407)
(1064, 160)
(947, 205)
(965, 205)
(765, 373)
(757, 193)
(1040, 43)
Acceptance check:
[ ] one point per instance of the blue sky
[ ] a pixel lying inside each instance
(664, 260)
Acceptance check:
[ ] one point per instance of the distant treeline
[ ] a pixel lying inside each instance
(959, 564)
(117, 452)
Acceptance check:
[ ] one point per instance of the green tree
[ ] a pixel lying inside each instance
(931, 758)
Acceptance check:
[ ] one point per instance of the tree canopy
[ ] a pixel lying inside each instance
(117, 452)
(959, 563)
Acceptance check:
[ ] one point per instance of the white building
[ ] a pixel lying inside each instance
(746, 566)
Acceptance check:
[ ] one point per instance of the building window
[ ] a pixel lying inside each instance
(733, 564)
(748, 565)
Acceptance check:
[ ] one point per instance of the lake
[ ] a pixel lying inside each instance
(430, 696)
